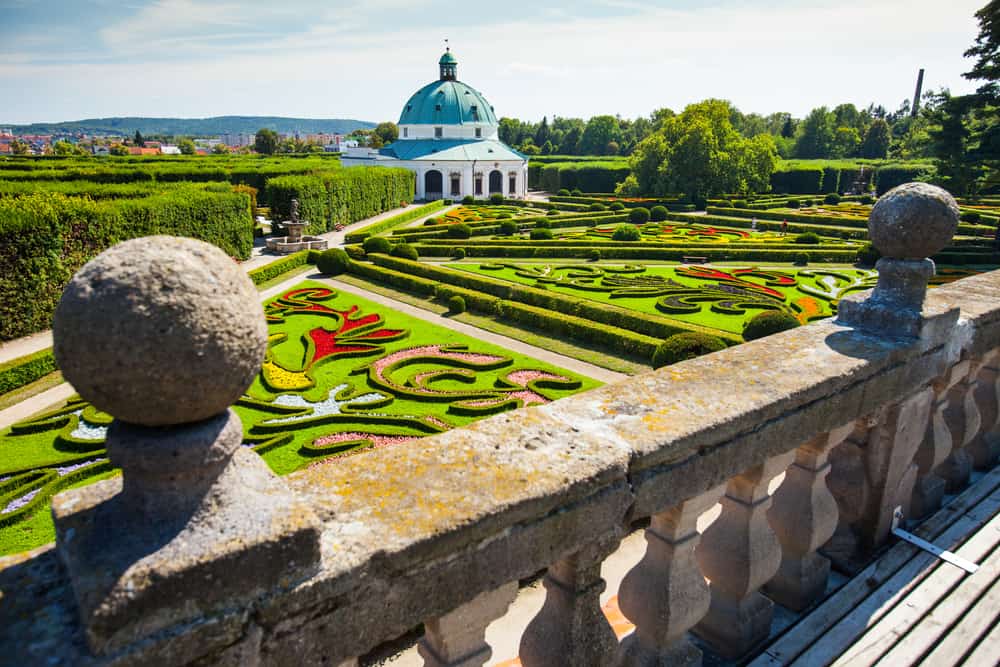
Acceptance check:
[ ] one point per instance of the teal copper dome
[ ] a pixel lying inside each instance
(447, 101)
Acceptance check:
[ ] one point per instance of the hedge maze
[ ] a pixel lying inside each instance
(342, 375)
(55, 214)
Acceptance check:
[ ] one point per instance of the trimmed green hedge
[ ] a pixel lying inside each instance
(24, 370)
(542, 318)
(538, 250)
(600, 176)
(275, 269)
(360, 235)
(45, 238)
(649, 325)
(340, 197)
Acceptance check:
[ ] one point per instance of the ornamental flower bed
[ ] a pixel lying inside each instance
(341, 376)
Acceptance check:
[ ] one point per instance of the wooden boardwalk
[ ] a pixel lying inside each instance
(909, 607)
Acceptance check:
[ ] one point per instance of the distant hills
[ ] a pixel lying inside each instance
(194, 127)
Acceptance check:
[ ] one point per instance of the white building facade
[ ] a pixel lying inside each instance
(449, 139)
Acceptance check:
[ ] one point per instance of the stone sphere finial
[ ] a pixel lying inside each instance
(160, 330)
(913, 221)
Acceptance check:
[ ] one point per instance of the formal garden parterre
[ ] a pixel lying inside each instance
(341, 375)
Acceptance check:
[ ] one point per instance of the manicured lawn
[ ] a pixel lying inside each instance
(342, 375)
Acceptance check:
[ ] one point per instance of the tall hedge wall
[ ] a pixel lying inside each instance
(340, 197)
(586, 176)
(45, 238)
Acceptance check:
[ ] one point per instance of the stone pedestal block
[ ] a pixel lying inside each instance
(458, 638)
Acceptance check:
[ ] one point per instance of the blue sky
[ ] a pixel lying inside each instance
(72, 59)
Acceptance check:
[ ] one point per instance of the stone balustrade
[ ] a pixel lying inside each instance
(222, 563)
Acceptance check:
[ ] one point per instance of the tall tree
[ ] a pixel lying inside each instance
(817, 134)
(599, 133)
(388, 132)
(986, 51)
(138, 140)
(266, 141)
(187, 146)
(543, 133)
(876, 142)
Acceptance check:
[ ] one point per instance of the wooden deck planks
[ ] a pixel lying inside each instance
(969, 631)
(832, 627)
(928, 609)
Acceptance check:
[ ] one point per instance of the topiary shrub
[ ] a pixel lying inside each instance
(355, 251)
(576, 192)
(543, 224)
(508, 227)
(808, 238)
(868, 255)
(685, 346)
(594, 255)
(333, 261)
(468, 199)
(617, 206)
(639, 215)
(699, 203)
(376, 244)
(540, 234)
(626, 233)
(496, 198)
(802, 259)
(792, 203)
(563, 192)
(596, 207)
(739, 203)
(832, 198)
(405, 251)
(867, 200)
(459, 253)
(767, 323)
(808, 202)
(502, 215)
(459, 231)
(658, 213)
(456, 304)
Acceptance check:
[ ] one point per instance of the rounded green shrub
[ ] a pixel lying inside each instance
(468, 199)
(496, 198)
(540, 234)
(459, 253)
(405, 251)
(802, 259)
(867, 200)
(832, 198)
(502, 215)
(767, 323)
(596, 207)
(639, 215)
(459, 231)
(355, 251)
(508, 227)
(333, 261)
(685, 346)
(377, 244)
(617, 206)
(792, 203)
(543, 223)
(563, 192)
(576, 192)
(808, 238)
(456, 304)
(594, 255)
(739, 203)
(625, 232)
(658, 213)
(868, 255)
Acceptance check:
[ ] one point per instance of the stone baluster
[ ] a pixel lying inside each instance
(458, 638)
(571, 628)
(961, 416)
(907, 225)
(935, 448)
(739, 553)
(165, 334)
(804, 516)
(665, 594)
(985, 447)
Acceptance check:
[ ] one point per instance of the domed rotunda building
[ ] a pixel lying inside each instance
(448, 137)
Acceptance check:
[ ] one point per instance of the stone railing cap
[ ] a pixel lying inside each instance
(913, 221)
